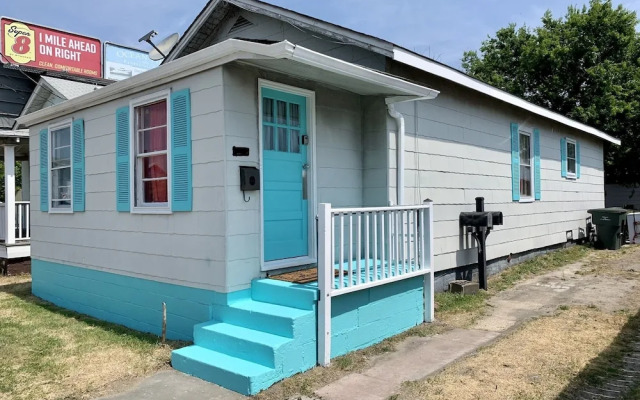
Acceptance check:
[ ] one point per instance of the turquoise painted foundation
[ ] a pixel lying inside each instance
(133, 302)
(246, 340)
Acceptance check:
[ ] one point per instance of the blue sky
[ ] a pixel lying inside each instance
(440, 29)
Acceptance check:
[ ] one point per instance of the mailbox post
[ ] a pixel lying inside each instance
(480, 224)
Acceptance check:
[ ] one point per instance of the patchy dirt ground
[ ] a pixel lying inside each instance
(575, 315)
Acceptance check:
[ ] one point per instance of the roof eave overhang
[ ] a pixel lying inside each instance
(220, 54)
(409, 58)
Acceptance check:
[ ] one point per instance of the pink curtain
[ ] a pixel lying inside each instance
(155, 140)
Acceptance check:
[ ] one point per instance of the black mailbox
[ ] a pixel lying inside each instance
(249, 178)
(486, 219)
(481, 222)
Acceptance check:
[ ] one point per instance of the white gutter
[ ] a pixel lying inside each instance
(453, 75)
(399, 152)
(220, 54)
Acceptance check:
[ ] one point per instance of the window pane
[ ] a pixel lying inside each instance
(150, 115)
(571, 166)
(525, 181)
(525, 150)
(152, 140)
(268, 142)
(282, 112)
(294, 114)
(295, 141)
(61, 185)
(61, 137)
(282, 139)
(267, 110)
(155, 191)
(155, 167)
(571, 150)
(61, 157)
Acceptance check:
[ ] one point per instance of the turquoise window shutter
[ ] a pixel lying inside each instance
(44, 170)
(536, 164)
(515, 162)
(577, 160)
(563, 157)
(78, 165)
(123, 158)
(181, 179)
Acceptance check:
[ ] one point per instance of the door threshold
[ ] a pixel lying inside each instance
(288, 263)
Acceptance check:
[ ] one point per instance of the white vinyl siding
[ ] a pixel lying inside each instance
(181, 248)
(458, 147)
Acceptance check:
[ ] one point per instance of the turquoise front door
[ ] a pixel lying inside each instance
(284, 168)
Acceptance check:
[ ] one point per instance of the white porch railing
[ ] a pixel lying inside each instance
(360, 248)
(22, 225)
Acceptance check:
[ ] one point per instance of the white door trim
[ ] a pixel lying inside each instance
(311, 182)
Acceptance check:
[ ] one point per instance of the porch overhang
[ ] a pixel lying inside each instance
(282, 57)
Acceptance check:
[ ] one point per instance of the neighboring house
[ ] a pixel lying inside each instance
(20, 98)
(622, 196)
(192, 182)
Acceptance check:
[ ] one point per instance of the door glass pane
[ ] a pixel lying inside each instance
(294, 114)
(282, 140)
(295, 141)
(525, 181)
(282, 112)
(268, 142)
(267, 110)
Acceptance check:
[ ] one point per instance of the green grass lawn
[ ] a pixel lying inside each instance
(52, 353)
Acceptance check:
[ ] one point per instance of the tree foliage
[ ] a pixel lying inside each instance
(585, 65)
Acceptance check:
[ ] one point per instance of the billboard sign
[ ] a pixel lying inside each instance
(39, 47)
(121, 62)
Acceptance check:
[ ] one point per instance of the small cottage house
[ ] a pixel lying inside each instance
(271, 141)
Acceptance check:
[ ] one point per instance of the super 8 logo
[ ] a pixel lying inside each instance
(19, 43)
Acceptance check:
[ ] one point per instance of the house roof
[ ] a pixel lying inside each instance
(62, 89)
(282, 56)
(206, 23)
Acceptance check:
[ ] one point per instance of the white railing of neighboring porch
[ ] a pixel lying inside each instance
(22, 225)
(360, 248)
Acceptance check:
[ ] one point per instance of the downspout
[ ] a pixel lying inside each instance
(399, 152)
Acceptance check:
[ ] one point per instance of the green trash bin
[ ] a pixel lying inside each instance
(609, 223)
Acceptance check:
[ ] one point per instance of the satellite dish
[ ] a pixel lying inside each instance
(163, 48)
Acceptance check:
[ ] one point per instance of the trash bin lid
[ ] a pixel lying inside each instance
(610, 210)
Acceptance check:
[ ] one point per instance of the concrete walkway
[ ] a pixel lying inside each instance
(417, 358)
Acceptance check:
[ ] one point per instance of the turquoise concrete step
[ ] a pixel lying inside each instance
(237, 341)
(265, 317)
(233, 373)
(284, 293)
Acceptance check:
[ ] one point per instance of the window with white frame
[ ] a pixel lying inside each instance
(60, 167)
(150, 149)
(526, 174)
(571, 158)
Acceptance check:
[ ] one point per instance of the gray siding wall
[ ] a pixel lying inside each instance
(620, 196)
(182, 248)
(267, 28)
(339, 159)
(458, 147)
